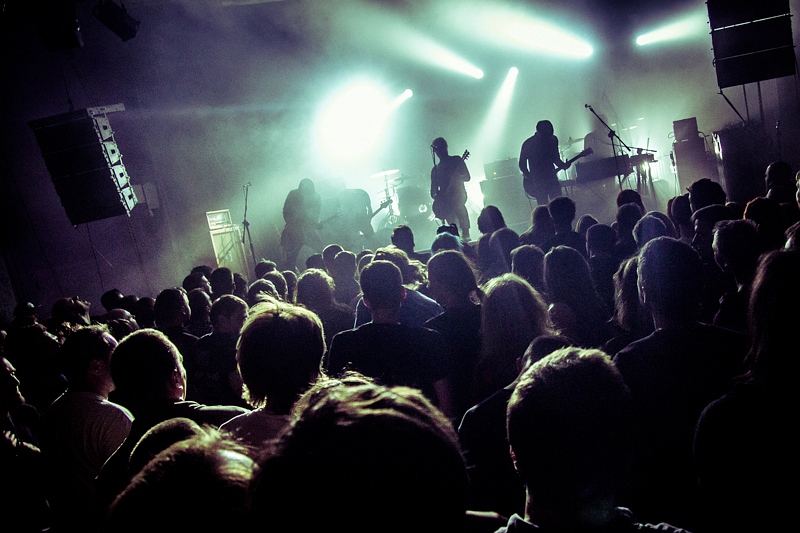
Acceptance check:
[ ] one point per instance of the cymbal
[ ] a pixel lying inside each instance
(571, 141)
(385, 173)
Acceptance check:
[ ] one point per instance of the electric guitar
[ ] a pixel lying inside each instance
(444, 197)
(528, 180)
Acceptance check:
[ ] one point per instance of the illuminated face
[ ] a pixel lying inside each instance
(10, 396)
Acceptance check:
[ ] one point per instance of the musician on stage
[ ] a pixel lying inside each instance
(447, 187)
(301, 212)
(540, 162)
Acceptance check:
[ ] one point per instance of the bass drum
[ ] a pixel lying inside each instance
(414, 203)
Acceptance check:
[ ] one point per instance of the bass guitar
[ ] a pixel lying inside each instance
(528, 182)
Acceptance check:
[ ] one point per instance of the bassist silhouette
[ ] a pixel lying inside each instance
(447, 187)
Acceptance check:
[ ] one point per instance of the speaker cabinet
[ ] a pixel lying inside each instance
(85, 165)
(509, 197)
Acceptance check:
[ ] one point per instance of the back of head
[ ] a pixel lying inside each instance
(400, 259)
(261, 290)
(171, 307)
(648, 228)
(545, 127)
(329, 253)
(681, 210)
(562, 210)
(627, 216)
(452, 271)
(569, 427)
(527, 262)
(199, 304)
(490, 219)
(264, 266)
(705, 192)
(600, 239)
(670, 277)
(504, 240)
(143, 365)
(630, 196)
(584, 223)
(774, 314)
(403, 237)
(540, 216)
(111, 299)
(567, 276)
(315, 289)
(668, 223)
(83, 346)
(378, 455)
(439, 144)
(198, 484)
(277, 279)
(227, 306)
(446, 241)
(279, 354)
(315, 261)
(344, 265)
(737, 247)
(195, 280)
(382, 285)
(222, 281)
(779, 175)
(708, 216)
(158, 438)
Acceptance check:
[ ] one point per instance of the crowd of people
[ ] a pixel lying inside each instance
(630, 376)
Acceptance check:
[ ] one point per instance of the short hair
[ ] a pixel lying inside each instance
(648, 228)
(169, 304)
(264, 266)
(737, 244)
(291, 284)
(226, 305)
(562, 210)
(402, 234)
(315, 288)
(193, 281)
(277, 278)
(142, 365)
(203, 269)
(705, 192)
(279, 353)
(568, 451)
(681, 210)
(601, 238)
(329, 253)
(158, 438)
(111, 299)
(83, 346)
(670, 276)
(527, 261)
(630, 196)
(199, 303)
(378, 454)
(200, 483)
(222, 281)
(344, 264)
(628, 215)
(382, 284)
(446, 241)
(544, 127)
(410, 271)
(438, 143)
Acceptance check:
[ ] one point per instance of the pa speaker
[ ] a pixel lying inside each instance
(85, 165)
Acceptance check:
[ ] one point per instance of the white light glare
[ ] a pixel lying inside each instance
(691, 26)
(531, 34)
(428, 51)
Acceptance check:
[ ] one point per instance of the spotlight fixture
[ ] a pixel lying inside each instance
(115, 18)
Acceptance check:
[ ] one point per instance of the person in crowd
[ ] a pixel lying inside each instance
(328, 255)
(239, 285)
(315, 292)
(403, 238)
(648, 228)
(627, 217)
(770, 221)
(562, 209)
(199, 323)
(737, 247)
(715, 281)
(23, 507)
(572, 455)
(172, 313)
(705, 192)
(744, 445)
(315, 260)
(512, 315)
(150, 380)
(144, 311)
(600, 240)
(81, 430)
(494, 484)
(680, 211)
(279, 281)
(541, 228)
(291, 285)
(344, 276)
(112, 299)
(452, 282)
(221, 282)
(584, 223)
(631, 321)
(527, 262)
(383, 457)
(416, 307)
(576, 310)
(33, 351)
(198, 484)
(386, 349)
(264, 266)
(279, 357)
(631, 196)
(673, 374)
(215, 378)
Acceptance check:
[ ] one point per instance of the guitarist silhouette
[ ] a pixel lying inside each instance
(540, 162)
(447, 187)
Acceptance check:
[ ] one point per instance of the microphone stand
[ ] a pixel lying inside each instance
(246, 224)
(611, 135)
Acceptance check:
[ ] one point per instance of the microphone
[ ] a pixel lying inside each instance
(587, 106)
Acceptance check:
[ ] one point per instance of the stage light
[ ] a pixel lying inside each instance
(489, 137)
(690, 26)
(521, 31)
(353, 122)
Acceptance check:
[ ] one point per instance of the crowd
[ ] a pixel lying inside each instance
(631, 376)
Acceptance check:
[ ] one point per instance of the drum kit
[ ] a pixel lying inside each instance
(412, 200)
